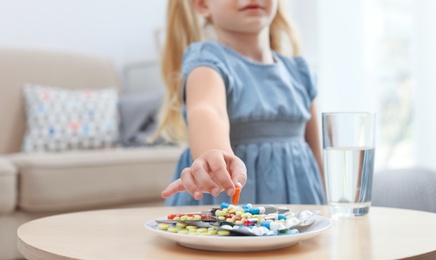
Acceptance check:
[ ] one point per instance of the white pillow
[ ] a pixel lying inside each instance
(60, 119)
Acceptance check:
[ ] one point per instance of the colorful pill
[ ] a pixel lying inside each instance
(162, 226)
(272, 225)
(191, 227)
(235, 198)
(224, 205)
(173, 230)
(201, 230)
(181, 224)
(171, 216)
(256, 210)
(246, 207)
(248, 223)
(223, 233)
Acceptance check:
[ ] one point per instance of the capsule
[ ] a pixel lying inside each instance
(257, 211)
(251, 222)
(281, 217)
(247, 207)
(272, 225)
(225, 205)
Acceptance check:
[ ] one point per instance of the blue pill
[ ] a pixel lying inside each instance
(224, 205)
(266, 224)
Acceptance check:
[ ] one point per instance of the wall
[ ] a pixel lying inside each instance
(121, 30)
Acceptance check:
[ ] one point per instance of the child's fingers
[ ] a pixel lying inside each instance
(212, 173)
(173, 188)
(220, 175)
(190, 184)
(202, 179)
(238, 171)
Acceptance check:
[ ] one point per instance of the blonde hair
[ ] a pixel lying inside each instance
(183, 28)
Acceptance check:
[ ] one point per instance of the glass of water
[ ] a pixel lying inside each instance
(349, 150)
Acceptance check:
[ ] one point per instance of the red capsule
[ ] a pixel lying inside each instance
(248, 223)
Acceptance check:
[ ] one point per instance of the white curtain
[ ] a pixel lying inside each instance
(424, 73)
(379, 55)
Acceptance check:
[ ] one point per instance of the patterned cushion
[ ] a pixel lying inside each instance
(60, 119)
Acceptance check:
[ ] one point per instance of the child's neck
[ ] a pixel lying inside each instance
(253, 46)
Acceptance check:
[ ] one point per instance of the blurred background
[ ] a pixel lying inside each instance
(372, 55)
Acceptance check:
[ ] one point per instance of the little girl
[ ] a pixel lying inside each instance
(249, 111)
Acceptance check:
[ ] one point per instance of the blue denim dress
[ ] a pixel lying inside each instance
(268, 106)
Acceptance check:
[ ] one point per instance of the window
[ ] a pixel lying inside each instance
(378, 55)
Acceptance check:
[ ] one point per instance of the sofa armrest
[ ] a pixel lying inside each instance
(8, 186)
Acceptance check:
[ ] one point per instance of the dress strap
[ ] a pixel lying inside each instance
(266, 131)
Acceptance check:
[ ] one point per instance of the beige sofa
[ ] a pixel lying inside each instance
(37, 185)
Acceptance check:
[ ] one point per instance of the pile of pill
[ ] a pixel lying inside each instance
(231, 219)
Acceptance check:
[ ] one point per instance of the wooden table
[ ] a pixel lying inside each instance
(385, 233)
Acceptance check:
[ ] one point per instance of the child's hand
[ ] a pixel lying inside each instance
(212, 172)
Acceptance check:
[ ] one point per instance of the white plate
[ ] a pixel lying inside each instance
(242, 243)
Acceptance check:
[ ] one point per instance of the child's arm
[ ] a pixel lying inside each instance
(312, 138)
(215, 167)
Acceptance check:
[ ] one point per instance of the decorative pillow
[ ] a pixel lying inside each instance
(60, 119)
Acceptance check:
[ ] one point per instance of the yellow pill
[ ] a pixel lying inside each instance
(181, 224)
(223, 233)
(197, 217)
(183, 231)
(201, 230)
(213, 232)
(239, 222)
(162, 226)
(220, 213)
(173, 230)
(183, 218)
(204, 234)
(191, 227)
(246, 215)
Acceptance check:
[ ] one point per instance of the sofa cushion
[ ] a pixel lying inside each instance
(51, 68)
(82, 180)
(61, 119)
(8, 186)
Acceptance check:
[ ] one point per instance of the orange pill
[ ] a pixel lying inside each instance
(235, 198)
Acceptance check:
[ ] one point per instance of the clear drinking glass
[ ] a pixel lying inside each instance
(349, 150)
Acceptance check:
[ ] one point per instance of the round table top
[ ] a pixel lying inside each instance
(385, 233)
